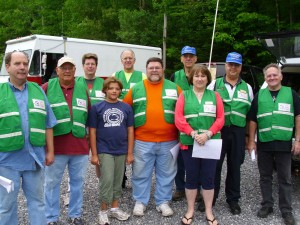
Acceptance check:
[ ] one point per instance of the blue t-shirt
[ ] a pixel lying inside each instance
(111, 121)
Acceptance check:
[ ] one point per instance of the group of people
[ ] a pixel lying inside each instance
(136, 118)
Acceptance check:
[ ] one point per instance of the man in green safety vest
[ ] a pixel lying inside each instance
(274, 114)
(237, 96)
(93, 84)
(128, 76)
(26, 127)
(70, 102)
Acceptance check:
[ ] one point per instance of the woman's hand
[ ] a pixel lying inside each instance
(201, 138)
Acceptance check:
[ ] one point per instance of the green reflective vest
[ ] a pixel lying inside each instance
(235, 109)
(135, 77)
(181, 80)
(66, 124)
(275, 119)
(96, 94)
(200, 116)
(11, 133)
(169, 98)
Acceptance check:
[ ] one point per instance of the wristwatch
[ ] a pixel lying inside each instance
(208, 135)
(193, 133)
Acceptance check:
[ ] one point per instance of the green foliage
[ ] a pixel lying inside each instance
(189, 22)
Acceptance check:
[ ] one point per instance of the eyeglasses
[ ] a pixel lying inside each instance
(65, 68)
(154, 68)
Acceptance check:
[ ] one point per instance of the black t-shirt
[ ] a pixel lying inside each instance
(90, 83)
(273, 145)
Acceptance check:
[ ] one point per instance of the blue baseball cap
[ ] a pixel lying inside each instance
(234, 57)
(188, 50)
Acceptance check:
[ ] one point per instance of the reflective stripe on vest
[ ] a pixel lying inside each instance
(275, 119)
(62, 112)
(11, 133)
(235, 110)
(181, 80)
(140, 102)
(96, 94)
(200, 116)
(135, 77)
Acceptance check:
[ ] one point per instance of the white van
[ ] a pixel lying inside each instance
(44, 52)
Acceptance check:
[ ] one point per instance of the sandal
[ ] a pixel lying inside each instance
(187, 220)
(211, 221)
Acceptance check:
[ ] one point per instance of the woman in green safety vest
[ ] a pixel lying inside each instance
(199, 116)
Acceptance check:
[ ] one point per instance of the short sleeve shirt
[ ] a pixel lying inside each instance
(111, 121)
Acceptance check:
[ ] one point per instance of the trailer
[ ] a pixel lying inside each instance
(44, 51)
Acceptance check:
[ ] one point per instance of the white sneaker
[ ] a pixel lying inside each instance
(118, 214)
(139, 209)
(165, 209)
(103, 217)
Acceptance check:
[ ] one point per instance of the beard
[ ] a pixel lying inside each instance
(154, 78)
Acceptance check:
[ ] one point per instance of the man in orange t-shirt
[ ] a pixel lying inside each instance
(153, 101)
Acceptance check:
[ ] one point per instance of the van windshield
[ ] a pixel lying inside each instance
(283, 45)
(35, 67)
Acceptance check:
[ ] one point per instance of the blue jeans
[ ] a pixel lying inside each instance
(148, 155)
(32, 185)
(77, 166)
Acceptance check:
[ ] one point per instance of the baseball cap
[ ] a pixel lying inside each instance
(188, 50)
(234, 57)
(65, 59)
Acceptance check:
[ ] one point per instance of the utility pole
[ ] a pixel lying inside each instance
(165, 40)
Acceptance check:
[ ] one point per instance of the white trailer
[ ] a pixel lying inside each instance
(44, 52)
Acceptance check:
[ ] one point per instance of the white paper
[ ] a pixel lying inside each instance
(7, 184)
(175, 150)
(210, 150)
(253, 155)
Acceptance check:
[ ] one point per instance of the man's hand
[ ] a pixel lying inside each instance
(251, 145)
(95, 160)
(49, 158)
(296, 148)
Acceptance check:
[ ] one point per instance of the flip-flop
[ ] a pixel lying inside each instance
(211, 221)
(187, 220)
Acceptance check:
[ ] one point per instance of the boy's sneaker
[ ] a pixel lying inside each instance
(118, 214)
(139, 209)
(165, 209)
(76, 221)
(103, 217)
(52, 223)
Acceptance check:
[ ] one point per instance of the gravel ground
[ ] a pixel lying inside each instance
(250, 203)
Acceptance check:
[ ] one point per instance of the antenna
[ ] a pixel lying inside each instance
(213, 35)
(62, 22)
